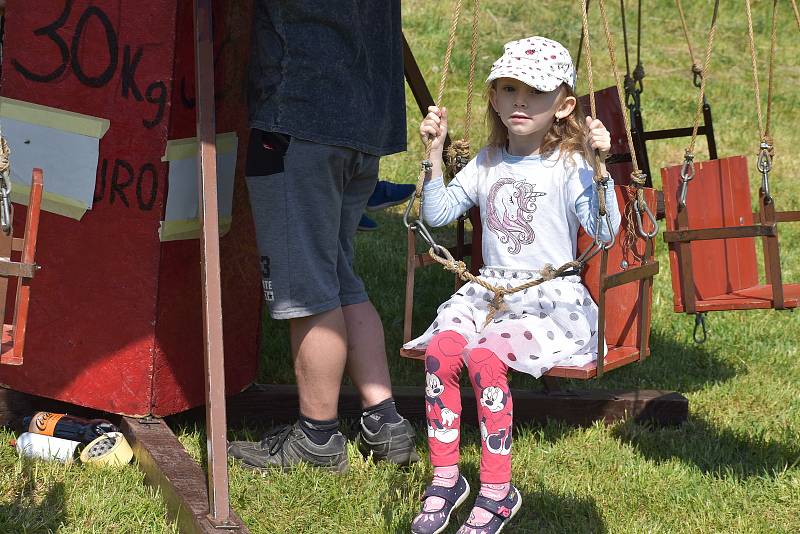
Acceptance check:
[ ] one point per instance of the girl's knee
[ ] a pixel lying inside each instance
(446, 349)
(482, 359)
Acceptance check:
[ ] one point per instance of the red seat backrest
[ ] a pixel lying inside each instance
(719, 195)
(623, 328)
(610, 112)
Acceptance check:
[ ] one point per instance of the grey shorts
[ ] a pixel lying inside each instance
(307, 199)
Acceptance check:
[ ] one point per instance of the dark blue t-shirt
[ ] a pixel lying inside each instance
(330, 72)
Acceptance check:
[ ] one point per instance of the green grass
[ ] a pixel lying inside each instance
(733, 467)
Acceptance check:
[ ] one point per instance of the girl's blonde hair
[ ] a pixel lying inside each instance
(567, 134)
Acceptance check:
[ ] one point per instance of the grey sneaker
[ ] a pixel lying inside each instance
(286, 446)
(394, 443)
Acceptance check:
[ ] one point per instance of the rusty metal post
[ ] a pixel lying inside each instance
(219, 506)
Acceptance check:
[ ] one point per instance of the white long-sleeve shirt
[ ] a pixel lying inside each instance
(530, 206)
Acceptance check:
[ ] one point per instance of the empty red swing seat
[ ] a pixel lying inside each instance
(712, 250)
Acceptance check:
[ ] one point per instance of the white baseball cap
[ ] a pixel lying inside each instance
(536, 61)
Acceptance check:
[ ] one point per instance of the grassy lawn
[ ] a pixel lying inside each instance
(733, 467)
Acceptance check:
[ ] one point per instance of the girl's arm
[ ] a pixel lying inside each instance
(586, 205)
(586, 209)
(442, 205)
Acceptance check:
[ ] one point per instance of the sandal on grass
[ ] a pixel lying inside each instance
(436, 522)
(502, 512)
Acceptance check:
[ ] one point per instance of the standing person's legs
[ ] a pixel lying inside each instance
(382, 431)
(302, 194)
(296, 193)
(319, 377)
(366, 351)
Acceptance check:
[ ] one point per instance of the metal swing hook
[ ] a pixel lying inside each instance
(764, 165)
(600, 189)
(700, 322)
(687, 173)
(639, 226)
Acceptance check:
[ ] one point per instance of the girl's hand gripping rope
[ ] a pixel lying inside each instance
(433, 130)
(599, 139)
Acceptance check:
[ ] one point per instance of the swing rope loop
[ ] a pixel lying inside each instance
(497, 304)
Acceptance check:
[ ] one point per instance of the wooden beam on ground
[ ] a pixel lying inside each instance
(182, 483)
(279, 404)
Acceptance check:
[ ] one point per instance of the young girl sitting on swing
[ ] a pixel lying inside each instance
(534, 186)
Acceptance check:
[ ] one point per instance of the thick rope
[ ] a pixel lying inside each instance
(473, 56)
(755, 65)
(796, 13)
(497, 304)
(763, 126)
(459, 152)
(695, 66)
(425, 168)
(637, 178)
(598, 178)
(773, 40)
(450, 44)
(620, 91)
(703, 74)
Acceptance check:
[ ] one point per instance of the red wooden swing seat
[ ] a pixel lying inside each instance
(712, 250)
(13, 338)
(624, 317)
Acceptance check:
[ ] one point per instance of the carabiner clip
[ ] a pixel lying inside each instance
(640, 227)
(687, 174)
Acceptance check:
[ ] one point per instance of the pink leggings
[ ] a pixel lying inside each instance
(489, 376)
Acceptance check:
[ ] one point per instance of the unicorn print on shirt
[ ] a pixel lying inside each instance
(510, 206)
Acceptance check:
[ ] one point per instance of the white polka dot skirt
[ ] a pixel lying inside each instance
(545, 326)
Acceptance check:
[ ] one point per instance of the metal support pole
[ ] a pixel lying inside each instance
(219, 506)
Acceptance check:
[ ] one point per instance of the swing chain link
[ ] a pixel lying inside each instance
(687, 173)
(764, 165)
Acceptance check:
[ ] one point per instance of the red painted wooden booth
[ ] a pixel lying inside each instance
(115, 314)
